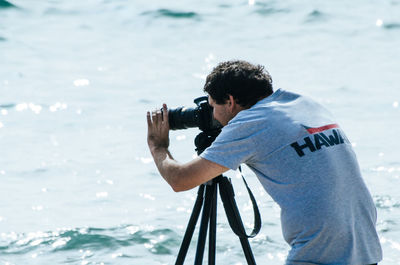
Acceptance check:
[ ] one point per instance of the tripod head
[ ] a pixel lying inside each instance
(205, 139)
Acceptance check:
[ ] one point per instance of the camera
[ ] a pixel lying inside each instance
(200, 116)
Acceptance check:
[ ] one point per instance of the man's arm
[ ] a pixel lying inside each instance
(179, 176)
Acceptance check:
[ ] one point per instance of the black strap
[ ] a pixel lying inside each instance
(232, 212)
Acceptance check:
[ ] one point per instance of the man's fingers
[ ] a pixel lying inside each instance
(159, 116)
(148, 119)
(165, 113)
(154, 116)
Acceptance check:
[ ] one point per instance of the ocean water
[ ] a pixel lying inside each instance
(77, 183)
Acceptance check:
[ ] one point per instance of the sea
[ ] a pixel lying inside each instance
(77, 181)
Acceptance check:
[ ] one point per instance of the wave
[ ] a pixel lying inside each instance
(158, 241)
(7, 106)
(316, 16)
(59, 11)
(392, 26)
(172, 14)
(265, 9)
(6, 4)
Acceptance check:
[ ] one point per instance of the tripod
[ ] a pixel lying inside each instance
(207, 199)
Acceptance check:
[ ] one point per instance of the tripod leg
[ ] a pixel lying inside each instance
(204, 223)
(213, 229)
(191, 226)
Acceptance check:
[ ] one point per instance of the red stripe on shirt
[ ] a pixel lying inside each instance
(323, 128)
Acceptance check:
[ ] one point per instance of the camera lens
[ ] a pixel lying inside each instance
(183, 118)
(200, 117)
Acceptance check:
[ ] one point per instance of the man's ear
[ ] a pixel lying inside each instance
(231, 103)
(233, 106)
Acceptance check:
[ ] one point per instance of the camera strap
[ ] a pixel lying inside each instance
(231, 210)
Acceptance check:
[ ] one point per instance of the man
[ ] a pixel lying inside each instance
(298, 152)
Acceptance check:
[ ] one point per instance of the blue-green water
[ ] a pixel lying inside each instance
(77, 184)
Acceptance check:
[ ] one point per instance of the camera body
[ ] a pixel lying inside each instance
(200, 116)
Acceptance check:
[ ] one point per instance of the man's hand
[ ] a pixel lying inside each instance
(158, 129)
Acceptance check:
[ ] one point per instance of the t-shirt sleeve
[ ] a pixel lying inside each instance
(234, 145)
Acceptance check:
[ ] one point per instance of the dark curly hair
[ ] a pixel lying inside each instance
(247, 83)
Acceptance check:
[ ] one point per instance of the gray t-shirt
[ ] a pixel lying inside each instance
(306, 164)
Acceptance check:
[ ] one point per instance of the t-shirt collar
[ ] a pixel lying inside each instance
(270, 98)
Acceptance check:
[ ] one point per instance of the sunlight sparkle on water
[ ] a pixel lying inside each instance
(36, 242)
(116, 255)
(87, 253)
(35, 108)
(81, 82)
(183, 209)
(395, 244)
(24, 106)
(60, 242)
(147, 245)
(149, 228)
(35, 236)
(209, 58)
(58, 106)
(109, 182)
(132, 229)
(379, 22)
(102, 194)
(180, 137)
(146, 160)
(147, 196)
(200, 76)
(21, 107)
(395, 104)
(1, 125)
(37, 208)
(210, 61)
(281, 256)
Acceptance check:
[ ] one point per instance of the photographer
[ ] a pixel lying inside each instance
(300, 156)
